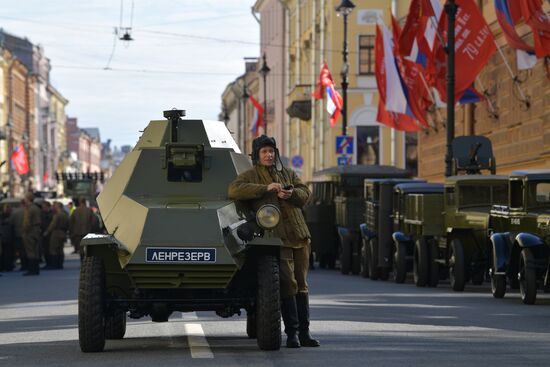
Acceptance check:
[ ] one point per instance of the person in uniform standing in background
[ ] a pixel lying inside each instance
(46, 219)
(268, 182)
(8, 248)
(16, 220)
(57, 233)
(80, 224)
(31, 234)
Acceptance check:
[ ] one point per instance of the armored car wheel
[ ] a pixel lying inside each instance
(364, 259)
(374, 272)
(457, 275)
(400, 263)
(268, 304)
(91, 305)
(115, 325)
(527, 277)
(498, 285)
(421, 263)
(251, 325)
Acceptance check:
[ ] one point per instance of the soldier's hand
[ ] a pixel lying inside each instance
(274, 187)
(285, 194)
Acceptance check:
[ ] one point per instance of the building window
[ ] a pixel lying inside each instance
(366, 55)
(368, 145)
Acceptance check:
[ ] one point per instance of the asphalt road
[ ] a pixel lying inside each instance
(359, 322)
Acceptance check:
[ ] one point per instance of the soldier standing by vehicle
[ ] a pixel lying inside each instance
(31, 234)
(80, 224)
(57, 233)
(268, 182)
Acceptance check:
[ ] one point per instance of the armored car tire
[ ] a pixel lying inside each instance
(457, 266)
(115, 325)
(91, 305)
(268, 304)
(400, 263)
(498, 285)
(527, 277)
(421, 266)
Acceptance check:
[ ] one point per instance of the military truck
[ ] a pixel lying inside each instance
(175, 242)
(79, 184)
(405, 198)
(336, 211)
(376, 232)
(521, 236)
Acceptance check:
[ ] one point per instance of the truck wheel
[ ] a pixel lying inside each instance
(374, 272)
(115, 325)
(457, 274)
(400, 263)
(364, 259)
(355, 256)
(91, 305)
(251, 326)
(498, 285)
(434, 265)
(268, 304)
(527, 277)
(420, 264)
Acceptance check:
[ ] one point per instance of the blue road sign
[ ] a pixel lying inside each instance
(297, 161)
(344, 144)
(344, 160)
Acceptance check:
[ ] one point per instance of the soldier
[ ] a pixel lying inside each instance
(46, 219)
(57, 233)
(31, 234)
(6, 229)
(80, 224)
(269, 182)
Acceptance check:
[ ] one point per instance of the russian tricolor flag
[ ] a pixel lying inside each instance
(334, 103)
(258, 119)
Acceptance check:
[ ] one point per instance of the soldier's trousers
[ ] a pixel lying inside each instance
(31, 243)
(57, 241)
(75, 241)
(293, 269)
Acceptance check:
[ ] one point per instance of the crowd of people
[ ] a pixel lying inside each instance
(35, 231)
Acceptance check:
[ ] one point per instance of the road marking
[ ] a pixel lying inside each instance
(197, 342)
(189, 316)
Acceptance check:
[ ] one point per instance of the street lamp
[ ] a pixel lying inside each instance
(344, 9)
(451, 9)
(264, 71)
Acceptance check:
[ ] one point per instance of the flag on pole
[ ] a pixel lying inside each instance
(538, 20)
(258, 119)
(45, 177)
(19, 160)
(334, 99)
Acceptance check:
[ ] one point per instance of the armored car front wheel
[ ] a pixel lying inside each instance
(115, 325)
(421, 268)
(251, 325)
(268, 304)
(91, 305)
(527, 277)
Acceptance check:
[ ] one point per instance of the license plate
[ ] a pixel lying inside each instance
(180, 255)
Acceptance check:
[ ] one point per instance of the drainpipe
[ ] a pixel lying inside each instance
(321, 109)
(286, 72)
(393, 133)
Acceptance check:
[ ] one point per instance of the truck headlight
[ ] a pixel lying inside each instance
(268, 216)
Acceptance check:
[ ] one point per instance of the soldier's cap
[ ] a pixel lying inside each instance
(262, 141)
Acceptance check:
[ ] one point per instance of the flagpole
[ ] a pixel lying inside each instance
(489, 102)
(514, 77)
(451, 10)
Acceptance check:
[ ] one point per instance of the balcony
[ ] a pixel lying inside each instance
(300, 102)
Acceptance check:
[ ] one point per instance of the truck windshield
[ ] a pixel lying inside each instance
(482, 195)
(538, 194)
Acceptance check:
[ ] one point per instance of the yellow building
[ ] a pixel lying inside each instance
(56, 139)
(315, 36)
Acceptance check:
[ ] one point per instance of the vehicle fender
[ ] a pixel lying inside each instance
(400, 237)
(266, 241)
(366, 233)
(528, 240)
(501, 249)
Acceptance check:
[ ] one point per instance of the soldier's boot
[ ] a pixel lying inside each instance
(33, 267)
(302, 303)
(59, 261)
(50, 262)
(290, 319)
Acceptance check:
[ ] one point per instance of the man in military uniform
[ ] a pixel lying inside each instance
(57, 233)
(80, 224)
(268, 182)
(31, 234)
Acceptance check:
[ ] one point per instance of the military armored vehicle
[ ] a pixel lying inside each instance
(520, 239)
(377, 230)
(405, 199)
(336, 211)
(175, 242)
(80, 184)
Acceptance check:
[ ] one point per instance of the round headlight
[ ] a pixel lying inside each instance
(268, 216)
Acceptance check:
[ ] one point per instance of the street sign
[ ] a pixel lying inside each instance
(297, 161)
(344, 144)
(344, 160)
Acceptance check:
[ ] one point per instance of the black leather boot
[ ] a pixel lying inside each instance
(290, 319)
(33, 267)
(302, 303)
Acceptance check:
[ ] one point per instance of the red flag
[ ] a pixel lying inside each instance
(507, 17)
(394, 120)
(379, 65)
(258, 119)
(474, 46)
(45, 177)
(537, 19)
(325, 79)
(19, 160)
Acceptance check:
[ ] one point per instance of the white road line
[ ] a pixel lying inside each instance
(189, 316)
(197, 342)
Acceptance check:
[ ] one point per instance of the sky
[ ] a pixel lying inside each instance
(183, 55)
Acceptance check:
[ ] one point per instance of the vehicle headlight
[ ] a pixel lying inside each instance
(268, 216)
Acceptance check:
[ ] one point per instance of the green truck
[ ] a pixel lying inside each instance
(175, 242)
(520, 236)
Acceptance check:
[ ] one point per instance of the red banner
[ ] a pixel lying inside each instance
(19, 160)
